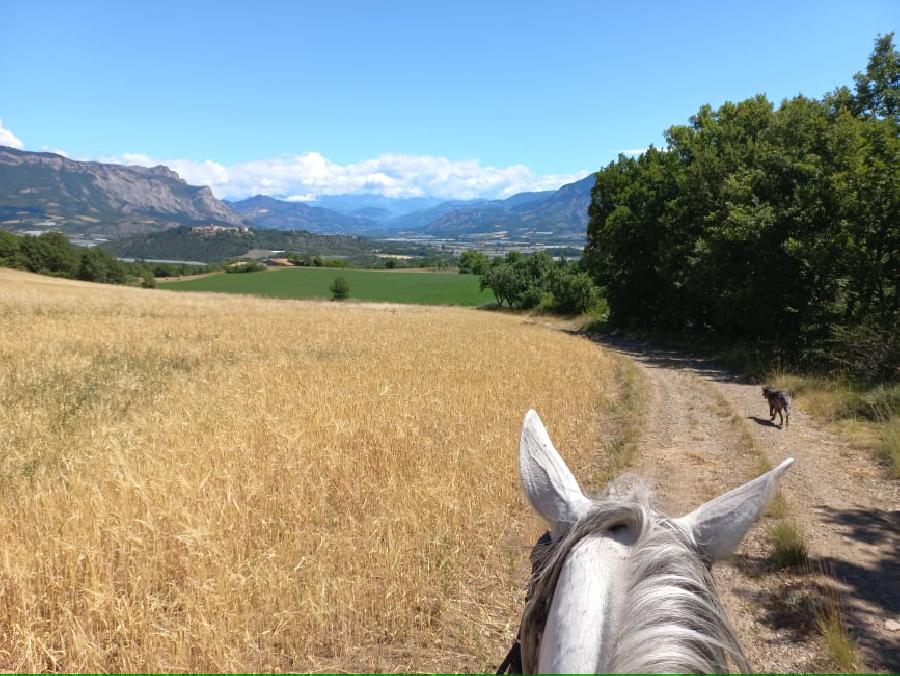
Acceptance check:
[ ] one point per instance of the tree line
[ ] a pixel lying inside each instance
(51, 253)
(772, 225)
(533, 281)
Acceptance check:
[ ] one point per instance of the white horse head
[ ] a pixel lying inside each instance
(623, 588)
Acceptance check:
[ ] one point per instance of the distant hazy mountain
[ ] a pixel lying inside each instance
(367, 204)
(562, 213)
(45, 189)
(548, 215)
(268, 212)
(49, 189)
(417, 220)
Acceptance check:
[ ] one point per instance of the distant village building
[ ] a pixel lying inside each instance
(216, 229)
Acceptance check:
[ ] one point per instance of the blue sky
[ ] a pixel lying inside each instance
(452, 98)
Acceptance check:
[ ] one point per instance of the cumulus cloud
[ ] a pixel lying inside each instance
(7, 138)
(634, 151)
(306, 176)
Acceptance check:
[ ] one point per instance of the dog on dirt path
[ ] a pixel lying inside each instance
(780, 403)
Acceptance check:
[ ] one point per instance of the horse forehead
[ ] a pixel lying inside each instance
(615, 543)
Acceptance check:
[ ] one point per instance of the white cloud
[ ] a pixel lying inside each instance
(306, 176)
(51, 149)
(7, 138)
(634, 151)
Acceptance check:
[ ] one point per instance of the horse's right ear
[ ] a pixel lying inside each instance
(719, 525)
(549, 485)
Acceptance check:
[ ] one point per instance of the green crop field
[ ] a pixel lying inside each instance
(369, 285)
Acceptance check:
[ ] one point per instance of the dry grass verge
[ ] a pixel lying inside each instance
(625, 414)
(212, 483)
(865, 416)
(842, 650)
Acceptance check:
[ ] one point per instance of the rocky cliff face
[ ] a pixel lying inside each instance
(45, 188)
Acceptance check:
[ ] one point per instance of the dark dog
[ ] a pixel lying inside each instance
(779, 402)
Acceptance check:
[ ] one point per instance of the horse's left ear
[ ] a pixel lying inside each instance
(549, 485)
(719, 525)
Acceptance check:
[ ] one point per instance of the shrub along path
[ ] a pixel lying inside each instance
(706, 432)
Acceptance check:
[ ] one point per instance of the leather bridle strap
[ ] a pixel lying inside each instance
(512, 663)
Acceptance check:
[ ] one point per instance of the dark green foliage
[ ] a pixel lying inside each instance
(49, 254)
(878, 89)
(775, 227)
(504, 282)
(340, 289)
(10, 250)
(526, 281)
(473, 263)
(182, 244)
(573, 292)
(248, 266)
(52, 254)
(97, 265)
(179, 269)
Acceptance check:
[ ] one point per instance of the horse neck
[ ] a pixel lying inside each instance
(581, 620)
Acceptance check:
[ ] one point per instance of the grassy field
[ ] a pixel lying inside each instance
(369, 285)
(199, 482)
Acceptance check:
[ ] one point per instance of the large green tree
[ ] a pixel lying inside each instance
(763, 224)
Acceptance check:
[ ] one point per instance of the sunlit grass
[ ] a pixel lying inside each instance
(788, 542)
(221, 483)
(865, 416)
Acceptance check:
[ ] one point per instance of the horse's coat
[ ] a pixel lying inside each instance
(623, 588)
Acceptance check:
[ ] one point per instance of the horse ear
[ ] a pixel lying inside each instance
(549, 485)
(719, 525)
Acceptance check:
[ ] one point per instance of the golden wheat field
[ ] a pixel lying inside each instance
(215, 483)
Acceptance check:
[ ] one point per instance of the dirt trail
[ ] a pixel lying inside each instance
(849, 512)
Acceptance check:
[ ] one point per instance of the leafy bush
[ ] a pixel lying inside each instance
(97, 265)
(249, 266)
(524, 282)
(10, 250)
(340, 289)
(49, 254)
(473, 263)
(573, 292)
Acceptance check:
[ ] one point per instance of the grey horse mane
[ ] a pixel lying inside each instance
(669, 616)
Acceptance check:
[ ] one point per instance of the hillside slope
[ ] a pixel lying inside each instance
(563, 213)
(182, 244)
(268, 212)
(109, 199)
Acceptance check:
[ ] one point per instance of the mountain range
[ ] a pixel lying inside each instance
(50, 190)
(549, 215)
(41, 190)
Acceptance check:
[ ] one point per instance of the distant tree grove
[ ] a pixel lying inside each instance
(538, 281)
(51, 253)
(778, 226)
